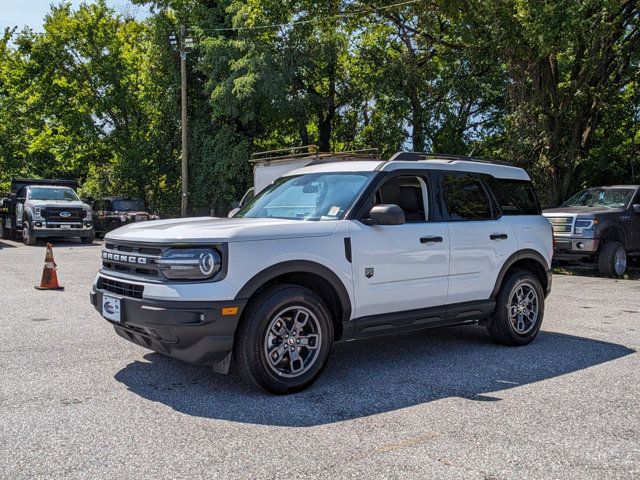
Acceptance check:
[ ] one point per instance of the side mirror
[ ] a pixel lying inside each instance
(89, 200)
(385, 214)
(636, 207)
(233, 212)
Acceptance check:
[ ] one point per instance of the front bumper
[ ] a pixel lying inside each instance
(576, 246)
(40, 228)
(194, 332)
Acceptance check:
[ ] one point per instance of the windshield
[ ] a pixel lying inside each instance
(315, 196)
(601, 197)
(53, 193)
(133, 205)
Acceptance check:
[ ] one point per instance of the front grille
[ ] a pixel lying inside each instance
(561, 225)
(53, 214)
(133, 259)
(120, 288)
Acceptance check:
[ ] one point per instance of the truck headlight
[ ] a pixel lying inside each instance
(37, 212)
(87, 214)
(583, 224)
(190, 263)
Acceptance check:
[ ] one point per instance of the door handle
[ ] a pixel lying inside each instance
(431, 240)
(498, 236)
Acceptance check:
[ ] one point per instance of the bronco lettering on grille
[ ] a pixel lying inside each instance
(117, 257)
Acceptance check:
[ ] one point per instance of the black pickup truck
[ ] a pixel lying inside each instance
(600, 224)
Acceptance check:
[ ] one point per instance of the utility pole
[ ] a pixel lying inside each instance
(183, 46)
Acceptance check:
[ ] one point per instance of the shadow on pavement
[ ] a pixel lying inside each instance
(372, 376)
(6, 245)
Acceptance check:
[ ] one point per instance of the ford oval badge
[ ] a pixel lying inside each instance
(65, 214)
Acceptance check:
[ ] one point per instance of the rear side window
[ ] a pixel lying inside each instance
(465, 197)
(515, 197)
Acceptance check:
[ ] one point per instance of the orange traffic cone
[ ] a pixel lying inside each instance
(49, 277)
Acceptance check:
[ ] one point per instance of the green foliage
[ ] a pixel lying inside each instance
(549, 85)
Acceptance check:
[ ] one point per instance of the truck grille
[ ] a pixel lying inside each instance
(134, 259)
(120, 288)
(54, 214)
(561, 225)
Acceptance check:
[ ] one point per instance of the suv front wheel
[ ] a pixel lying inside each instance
(519, 309)
(284, 339)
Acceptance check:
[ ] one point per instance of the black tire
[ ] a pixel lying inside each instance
(608, 266)
(254, 337)
(88, 240)
(27, 238)
(502, 328)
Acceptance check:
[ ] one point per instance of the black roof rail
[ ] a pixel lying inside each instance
(418, 156)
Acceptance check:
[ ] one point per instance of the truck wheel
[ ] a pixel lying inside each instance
(519, 309)
(88, 240)
(27, 237)
(612, 259)
(284, 339)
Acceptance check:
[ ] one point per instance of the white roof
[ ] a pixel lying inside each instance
(497, 170)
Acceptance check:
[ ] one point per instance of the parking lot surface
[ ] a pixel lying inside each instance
(77, 401)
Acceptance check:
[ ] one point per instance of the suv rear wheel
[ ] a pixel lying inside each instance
(612, 259)
(284, 340)
(519, 309)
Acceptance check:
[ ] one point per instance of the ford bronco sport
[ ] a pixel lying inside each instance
(334, 252)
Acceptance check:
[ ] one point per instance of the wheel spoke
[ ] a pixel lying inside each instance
(278, 328)
(276, 355)
(299, 323)
(309, 341)
(295, 358)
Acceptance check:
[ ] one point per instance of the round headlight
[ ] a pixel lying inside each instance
(207, 264)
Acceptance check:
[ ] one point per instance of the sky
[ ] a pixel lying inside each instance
(31, 13)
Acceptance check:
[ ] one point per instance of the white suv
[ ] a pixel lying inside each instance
(334, 252)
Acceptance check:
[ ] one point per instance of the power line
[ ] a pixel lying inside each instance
(343, 14)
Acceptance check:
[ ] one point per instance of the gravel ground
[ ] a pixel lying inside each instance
(77, 401)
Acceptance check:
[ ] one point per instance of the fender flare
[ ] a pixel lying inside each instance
(613, 225)
(298, 266)
(527, 253)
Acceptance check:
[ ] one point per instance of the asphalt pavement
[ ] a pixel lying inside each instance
(77, 401)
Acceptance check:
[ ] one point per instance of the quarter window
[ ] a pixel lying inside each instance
(515, 197)
(465, 197)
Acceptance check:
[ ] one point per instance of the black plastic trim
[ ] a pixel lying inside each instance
(347, 250)
(298, 266)
(408, 320)
(520, 255)
(195, 332)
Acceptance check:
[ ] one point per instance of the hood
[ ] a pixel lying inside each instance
(57, 204)
(597, 210)
(211, 229)
(131, 213)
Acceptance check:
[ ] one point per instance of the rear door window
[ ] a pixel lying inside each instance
(465, 197)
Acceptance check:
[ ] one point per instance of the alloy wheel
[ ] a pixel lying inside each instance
(292, 341)
(620, 261)
(523, 308)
